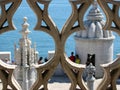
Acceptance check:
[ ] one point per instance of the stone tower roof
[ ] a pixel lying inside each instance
(94, 25)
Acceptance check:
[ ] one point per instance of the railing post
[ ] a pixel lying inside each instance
(90, 78)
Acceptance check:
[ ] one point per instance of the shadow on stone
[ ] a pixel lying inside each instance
(60, 79)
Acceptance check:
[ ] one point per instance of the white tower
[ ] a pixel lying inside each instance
(25, 56)
(95, 41)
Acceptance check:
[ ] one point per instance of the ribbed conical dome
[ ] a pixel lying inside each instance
(94, 24)
(94, 13)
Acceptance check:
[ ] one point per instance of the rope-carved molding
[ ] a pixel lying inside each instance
(8, 8)
(112, 14)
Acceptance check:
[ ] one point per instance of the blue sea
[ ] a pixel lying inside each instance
(59, 10)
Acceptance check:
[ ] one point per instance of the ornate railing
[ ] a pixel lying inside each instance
(111, 70)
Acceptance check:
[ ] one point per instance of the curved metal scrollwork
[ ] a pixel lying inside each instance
(7, 13)
(112, 14)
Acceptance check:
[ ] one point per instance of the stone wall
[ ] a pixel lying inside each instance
(5, 55)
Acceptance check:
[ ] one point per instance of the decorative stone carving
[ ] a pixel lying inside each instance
(84, 33)
(79, 8)
(91, 31)
(90, 70)
(45, 72)
(111, 74)
(7, 14)
(99, 31)
(7, 77)
(25, 57)
(112, 14)
(97, 41)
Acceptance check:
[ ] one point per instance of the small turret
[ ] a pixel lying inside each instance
(94, 40)
(94, 25)
(25, 56)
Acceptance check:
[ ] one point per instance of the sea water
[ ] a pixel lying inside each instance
(59, 11)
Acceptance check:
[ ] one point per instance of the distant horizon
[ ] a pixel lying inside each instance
(60, 14)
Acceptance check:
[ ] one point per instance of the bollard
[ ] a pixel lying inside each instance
(90, 69)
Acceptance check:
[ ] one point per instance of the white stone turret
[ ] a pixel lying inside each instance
(25, 56)
(94, 40)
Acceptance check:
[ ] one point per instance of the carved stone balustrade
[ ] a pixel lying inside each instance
(6, 76)
(112, 14)
(45, 71)
(6, 14)
(111, 74)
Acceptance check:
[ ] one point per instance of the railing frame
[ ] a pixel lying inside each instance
(60, 37)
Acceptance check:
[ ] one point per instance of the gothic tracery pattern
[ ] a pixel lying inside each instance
(111, 73)
(45, 72)
(6, 76)
(8, 8)
(79, 8)
(112, 14)
(50, 28)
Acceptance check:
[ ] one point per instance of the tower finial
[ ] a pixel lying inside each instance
(95, 4)
(94, 13)
(25, 31)
(25, 25)
(25, 19)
